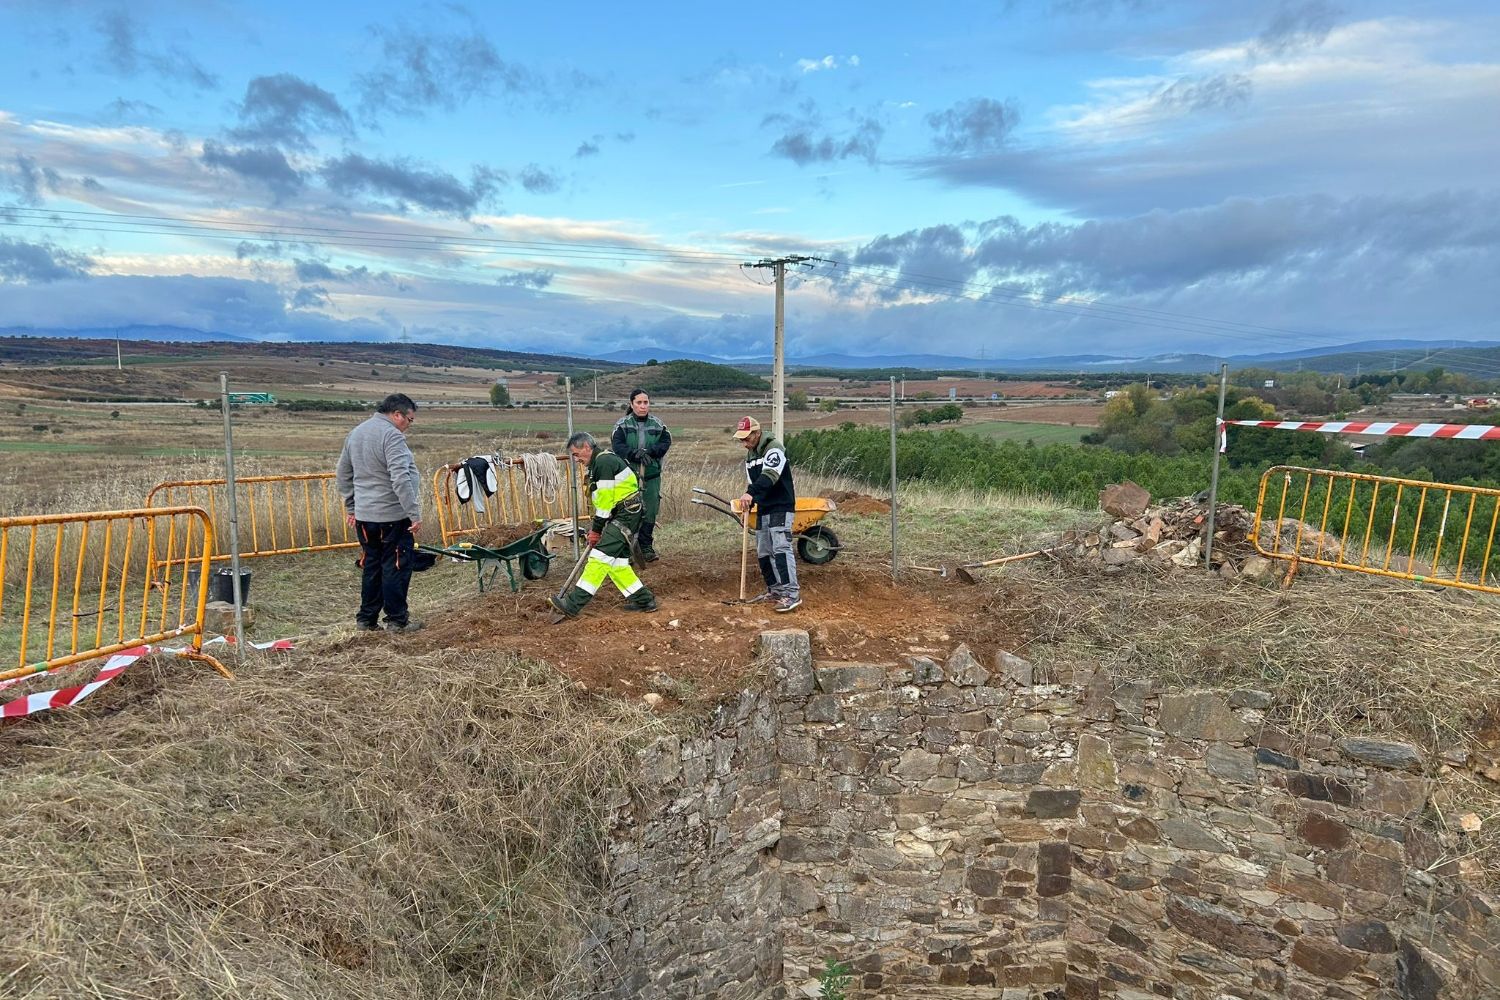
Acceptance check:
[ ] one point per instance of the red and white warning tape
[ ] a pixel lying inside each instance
(113, 667)
(1460, 432)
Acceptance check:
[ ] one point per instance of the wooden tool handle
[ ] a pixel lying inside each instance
(744, 549)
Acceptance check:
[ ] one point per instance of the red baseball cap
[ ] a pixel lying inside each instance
(746, 427)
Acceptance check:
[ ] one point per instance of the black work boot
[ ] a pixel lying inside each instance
(572, 604)
(641, 600)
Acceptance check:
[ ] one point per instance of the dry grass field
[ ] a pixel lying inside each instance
(377, 816)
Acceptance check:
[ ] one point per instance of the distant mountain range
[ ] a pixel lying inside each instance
(1479, 357)
(1371, 355)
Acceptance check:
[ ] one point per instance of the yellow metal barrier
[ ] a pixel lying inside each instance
(1401, 528)
(78, 586)
(278, 515)
(512, 503)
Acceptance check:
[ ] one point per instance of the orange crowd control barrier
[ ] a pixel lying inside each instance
(78, 586)
(1406, 529)
(516, 500)
(278, 515)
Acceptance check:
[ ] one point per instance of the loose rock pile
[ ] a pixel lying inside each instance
(1169, 536)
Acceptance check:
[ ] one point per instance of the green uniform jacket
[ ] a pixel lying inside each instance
(650, 434)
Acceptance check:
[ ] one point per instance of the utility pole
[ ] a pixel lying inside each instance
(119, 359)
(778, 362)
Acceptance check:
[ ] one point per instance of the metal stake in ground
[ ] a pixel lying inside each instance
(572, 466)
(1213, 482)
(234, 519)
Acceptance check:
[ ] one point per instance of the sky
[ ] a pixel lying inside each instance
(1004, 179)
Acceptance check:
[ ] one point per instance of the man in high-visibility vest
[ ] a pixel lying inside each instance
(618, 509)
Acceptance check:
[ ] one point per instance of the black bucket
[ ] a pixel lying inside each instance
(221, 585)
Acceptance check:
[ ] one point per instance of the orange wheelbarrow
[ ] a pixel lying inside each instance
(816, 542)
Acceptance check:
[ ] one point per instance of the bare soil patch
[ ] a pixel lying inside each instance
(695, 637)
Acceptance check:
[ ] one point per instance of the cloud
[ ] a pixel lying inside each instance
(239, 306)
(419, 70)
(263, 165)
(314, 270)
(407, 184)
(539, 181)
(1378, 107)
(1297, 26)
(28, 180)
(977, 125)
(806, 139)
(1221, 92)
(1388, 265)
(122, 110)
(586, 148)
(125, 53)
(310, 297)
(39, 263)
(827, 63)
(245, 250)
(536, 278)
(284, 110)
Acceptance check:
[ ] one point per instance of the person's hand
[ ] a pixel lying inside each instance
(593, 538)
(349, 520)
(743, 503)
(640, 456)
(416, 526)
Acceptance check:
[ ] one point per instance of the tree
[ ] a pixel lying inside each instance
(828, 405)
(499, 395)
(797, 399)
(652, 362)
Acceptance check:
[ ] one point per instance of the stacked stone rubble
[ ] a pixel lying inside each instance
(1169, 537)
(951, 828)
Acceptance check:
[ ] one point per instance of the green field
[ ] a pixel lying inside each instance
(1017, 430)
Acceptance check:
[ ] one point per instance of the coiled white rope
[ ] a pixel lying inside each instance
(544, 476)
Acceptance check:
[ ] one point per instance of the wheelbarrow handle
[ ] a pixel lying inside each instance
(722, 510)
(699, 489)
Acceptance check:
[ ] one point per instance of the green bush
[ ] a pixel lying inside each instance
(499, 395)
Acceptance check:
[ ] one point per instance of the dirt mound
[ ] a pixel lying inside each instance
(695, 637)
(858, 503)
(498, 535)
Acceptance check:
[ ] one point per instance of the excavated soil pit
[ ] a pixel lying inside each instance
(696, 638)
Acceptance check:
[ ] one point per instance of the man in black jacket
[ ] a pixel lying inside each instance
(770, 489)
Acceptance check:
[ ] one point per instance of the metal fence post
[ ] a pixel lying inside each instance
(894, 571)
(1213, 482)
(234, 519)
(572, 465)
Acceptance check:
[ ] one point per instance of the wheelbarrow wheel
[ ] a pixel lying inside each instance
(817, 545)
(534, 565)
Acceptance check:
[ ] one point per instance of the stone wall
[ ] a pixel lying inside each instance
(954, 829)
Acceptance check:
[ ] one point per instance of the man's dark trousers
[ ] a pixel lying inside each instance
(388, 550)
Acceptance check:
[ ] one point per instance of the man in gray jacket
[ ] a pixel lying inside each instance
(377, 477)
